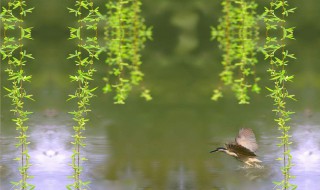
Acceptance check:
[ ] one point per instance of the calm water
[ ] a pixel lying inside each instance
(143, 146)
(163, 144)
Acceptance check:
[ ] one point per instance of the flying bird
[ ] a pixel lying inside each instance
(243, 148)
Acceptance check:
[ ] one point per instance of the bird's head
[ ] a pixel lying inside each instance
(219, 149)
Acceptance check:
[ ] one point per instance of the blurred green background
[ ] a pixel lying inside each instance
(181, 56)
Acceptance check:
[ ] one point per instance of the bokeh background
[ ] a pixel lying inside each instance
(165, 143)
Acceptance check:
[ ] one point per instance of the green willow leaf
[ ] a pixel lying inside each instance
(15, 56)
(125, 37)
(237, 34)
(84, 57)
(276, 52)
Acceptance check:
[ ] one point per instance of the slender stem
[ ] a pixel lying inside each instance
(21, 92)
(283, 91)
(80, 87)
(243, 37)
(227, 31)
(120, 33)
(135, 33)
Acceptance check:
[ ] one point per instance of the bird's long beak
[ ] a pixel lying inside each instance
(214, 151)
(219, 149)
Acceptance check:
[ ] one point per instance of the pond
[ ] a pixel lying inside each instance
(165, 143)
(140, 146)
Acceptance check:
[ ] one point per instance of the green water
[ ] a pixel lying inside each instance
(163, 144)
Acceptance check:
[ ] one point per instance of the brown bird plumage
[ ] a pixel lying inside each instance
(243, 148)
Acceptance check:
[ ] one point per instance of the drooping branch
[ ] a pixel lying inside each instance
(237, 35)
(84, 57)
(16, 58)
(275, 51)
(125, 36)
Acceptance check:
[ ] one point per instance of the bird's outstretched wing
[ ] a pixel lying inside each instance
(247, 139)
(240, 150)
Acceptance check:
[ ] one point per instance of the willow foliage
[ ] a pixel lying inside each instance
(237, 35)
(87, 52)
(276, 52)
(125, 36)
(16, 57)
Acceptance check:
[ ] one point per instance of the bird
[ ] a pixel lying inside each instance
(243, 148)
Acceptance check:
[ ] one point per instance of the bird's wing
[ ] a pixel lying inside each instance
(247, 139)
(239, 150)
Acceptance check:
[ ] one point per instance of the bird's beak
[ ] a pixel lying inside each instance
(214, 151)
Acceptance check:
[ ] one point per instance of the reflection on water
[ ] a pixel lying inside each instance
(305, 151)
(139, 153)
(50, 153)
(181, 179)
(306, 155)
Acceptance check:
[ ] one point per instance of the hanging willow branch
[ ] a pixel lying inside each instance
(16, 57)
(125, 36)
(85, 55)
(275, 50)
(237, 35)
